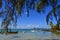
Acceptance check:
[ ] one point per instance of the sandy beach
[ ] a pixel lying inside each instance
(30, 36)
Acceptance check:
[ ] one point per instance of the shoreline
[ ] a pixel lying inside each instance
(35, 30)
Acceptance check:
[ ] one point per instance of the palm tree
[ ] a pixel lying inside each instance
(14, 8)
(53, 28)
(54, 13)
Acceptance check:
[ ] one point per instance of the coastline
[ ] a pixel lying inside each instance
(15, 31)
(39, 35)
(29, 36)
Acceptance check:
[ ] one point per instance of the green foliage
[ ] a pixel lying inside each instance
(54, 26)
(57, 26)
(0, 3)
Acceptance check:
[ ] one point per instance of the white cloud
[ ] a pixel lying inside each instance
(32, 26)
(29, 25)
(37, 25)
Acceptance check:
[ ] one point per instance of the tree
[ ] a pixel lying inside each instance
(52, 26)
(54, 12)
(14, 8)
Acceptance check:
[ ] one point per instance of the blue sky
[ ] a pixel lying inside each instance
(34, 20)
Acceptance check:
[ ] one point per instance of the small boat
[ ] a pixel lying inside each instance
(12, 32)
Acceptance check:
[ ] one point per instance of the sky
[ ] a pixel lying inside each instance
(35, 19)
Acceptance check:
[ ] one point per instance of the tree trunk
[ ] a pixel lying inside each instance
(5, 29)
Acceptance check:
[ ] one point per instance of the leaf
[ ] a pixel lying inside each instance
(48, 17)
(58, 6)
(54, 13)
(0, 13)
(27, 13)
(45, 2)
(31, 3)
(53, 2)
(0, 3)
(38, 9)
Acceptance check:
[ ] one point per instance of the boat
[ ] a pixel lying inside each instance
(12, 32)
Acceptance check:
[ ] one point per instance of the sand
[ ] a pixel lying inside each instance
(28, 36)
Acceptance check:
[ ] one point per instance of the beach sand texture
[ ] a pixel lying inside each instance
(30, 36)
